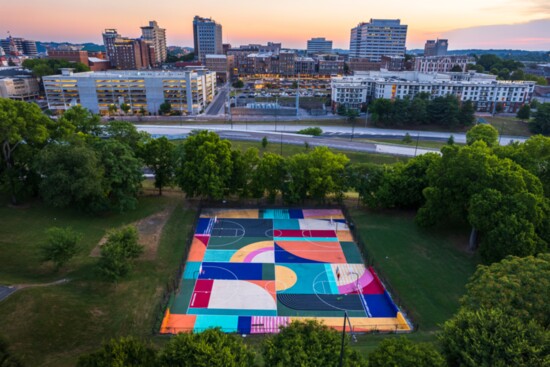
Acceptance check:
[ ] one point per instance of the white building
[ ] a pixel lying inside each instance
(319, 45)
(379, 37)
(157, 36)
(441, 64)
(19, 87)
(187, 91)
(207, 38)
(482, 89)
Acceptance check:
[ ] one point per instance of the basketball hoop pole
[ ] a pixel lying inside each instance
(343, 339)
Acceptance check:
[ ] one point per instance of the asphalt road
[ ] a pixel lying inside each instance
(5, 292)
(216, 107)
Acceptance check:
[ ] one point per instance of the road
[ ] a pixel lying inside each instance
(286, 137)
(6, 291)
(217, 106)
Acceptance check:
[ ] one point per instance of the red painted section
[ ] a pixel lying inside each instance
(203, 238)
(304, 233)
(374, 287)
(201, 294)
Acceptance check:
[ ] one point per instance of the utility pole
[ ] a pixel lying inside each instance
(415, 148)
(343, 340)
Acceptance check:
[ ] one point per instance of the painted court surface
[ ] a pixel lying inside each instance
(251, 271)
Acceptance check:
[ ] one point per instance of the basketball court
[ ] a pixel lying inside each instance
(251, 271)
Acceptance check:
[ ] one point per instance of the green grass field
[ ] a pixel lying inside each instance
(52, 326)
(290, 149)
(509, 126)
(428, 269)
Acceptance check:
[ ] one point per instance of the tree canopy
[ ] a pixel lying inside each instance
(119, 252)
(402, 352)
(123, 352)
(483, 132)
(159, 156)
(541, 122)
(308, 344)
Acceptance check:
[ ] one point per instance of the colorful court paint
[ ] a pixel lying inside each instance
(253, 271)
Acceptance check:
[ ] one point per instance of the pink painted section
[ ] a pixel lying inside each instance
(375, 287)
(351, 288)
(255, 253)
(268, 324)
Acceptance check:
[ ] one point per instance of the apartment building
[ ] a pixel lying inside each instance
(377, 38)
(442, 64)
(157, 36)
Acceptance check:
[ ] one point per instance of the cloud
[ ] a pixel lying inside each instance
(533, 35)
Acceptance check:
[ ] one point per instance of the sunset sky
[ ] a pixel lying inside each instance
(467, 23)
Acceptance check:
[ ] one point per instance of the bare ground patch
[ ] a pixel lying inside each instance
(149, 231)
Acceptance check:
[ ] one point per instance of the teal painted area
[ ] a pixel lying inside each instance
(227, 311)
(282, 310)
(218, 255)
(226, 323)
(306, 274)
(275, 214)
(268, 271)
(353, 256)
(286, 224)
(307, 239)
(331, 280)
(191, 270)
(181, 300)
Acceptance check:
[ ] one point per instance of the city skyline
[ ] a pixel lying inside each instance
(468, 24)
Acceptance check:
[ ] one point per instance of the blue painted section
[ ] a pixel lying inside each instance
(191, 270)
(244, 325)
(218, 255)
(380, 305)
(331, 279)
(275, 214)
(283, 256)
(286, 224)
(307, 239)
(235, 271)
(296, 213)
(307, 275)
(228, 324)
(203, 226)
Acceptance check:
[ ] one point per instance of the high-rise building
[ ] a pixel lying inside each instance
(16, 46)
(29, 48)
(379, 37)
(207, 38)
(157, 36)
(319, 45)
(109, 38)
(436, 47)
(127, 53)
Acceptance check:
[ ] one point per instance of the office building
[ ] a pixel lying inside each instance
(207, 38)
(319, 45)
(436, 47)
(223, 65)
(482, 89)
(157, 36)
(379, 37)
(188, 91)
(442, 64)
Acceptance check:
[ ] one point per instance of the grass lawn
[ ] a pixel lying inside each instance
(509, 126)
(421, 143)
(290, 149)
(52, 326)
(428, 269)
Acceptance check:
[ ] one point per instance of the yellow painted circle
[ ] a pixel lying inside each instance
(284, 277)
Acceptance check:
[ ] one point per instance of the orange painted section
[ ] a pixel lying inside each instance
(196, 253)
(268, 285)
(174, 323)
(326, 252)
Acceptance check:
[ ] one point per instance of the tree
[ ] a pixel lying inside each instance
(120, 352)
(122, 174)
(238, 84)
(456, 68)
(112, 109)
(444, 111)
(159, 156)
(61, 246)
(466, 115)
(308, 344)
(520, 287)
(524, 112)
(210, 348)
(6, 358)
(269, 176)
(499, 108)
(165, 108)
(21, 124)
(541, 123)
(119, 252)
(315, 131)
(404, 353)
(83, 120)
(407, 139)
(205, 165)
(451, 140)
(483, 132)
(352, 115)
(71, 175)
(264, 142)
(487, 338)
(125, 107)
(244, 168)
(418, 110)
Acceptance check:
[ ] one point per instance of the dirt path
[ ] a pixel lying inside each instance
(6, 291)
